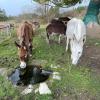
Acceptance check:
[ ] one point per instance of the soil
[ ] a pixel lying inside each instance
(94, 31)
(91, 56)
(91, 53)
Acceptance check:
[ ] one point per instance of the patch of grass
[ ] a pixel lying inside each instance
(42, 50)
(6, 89)
(93, 41)
(75, 80)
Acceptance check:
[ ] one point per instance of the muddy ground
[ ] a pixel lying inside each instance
(91, 57)
(91, 53)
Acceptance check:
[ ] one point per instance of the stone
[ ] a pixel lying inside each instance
(3, 71)
(56, 76)
(43, 89)
(28, 90)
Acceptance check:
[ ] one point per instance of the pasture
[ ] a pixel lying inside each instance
(80, 82)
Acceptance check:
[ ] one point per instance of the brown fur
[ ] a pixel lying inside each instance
(57, 27)
(22, 52)
(25, 35)
(25, 32)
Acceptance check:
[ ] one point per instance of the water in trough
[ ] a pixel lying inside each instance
(32, 74)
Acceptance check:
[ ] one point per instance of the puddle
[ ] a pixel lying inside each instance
(31, 75)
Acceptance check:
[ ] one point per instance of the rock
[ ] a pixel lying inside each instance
(3, 71)
(28, 90)
(36, 90)
(55, 66)
(55, 73)
(56, 76)
(43, 89)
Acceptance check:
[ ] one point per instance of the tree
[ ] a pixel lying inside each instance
(42, 11)
(53, 12)
(3, 16)
(59, 3)
(50, 8)
(92, 12)
(46, 13)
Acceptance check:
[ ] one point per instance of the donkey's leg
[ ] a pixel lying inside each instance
(67, 42)
(59, 38)
(30, 48)
(47, 37)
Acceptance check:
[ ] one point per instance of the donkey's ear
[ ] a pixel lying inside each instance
(17, 45)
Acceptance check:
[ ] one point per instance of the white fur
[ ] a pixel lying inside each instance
(77, 28)
(23, 64)
(76, 51)
(75, 33)
(43, 89)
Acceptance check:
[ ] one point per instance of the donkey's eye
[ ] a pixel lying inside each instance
(79, 52)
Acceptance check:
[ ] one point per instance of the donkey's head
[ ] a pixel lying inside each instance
(23, 54)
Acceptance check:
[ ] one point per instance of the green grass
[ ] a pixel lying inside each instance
(93, 41)
(75, 80)
(7, 90)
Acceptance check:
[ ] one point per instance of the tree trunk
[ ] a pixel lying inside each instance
(92, 12)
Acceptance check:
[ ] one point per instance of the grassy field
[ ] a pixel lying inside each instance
(77, 82)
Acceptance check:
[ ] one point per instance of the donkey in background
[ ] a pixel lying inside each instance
(57, 27)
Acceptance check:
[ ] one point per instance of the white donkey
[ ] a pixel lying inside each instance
(76, 35)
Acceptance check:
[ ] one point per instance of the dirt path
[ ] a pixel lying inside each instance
(91, 56)
(94, 32)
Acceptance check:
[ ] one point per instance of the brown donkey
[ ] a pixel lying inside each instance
(55, 27)
(25, 35)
